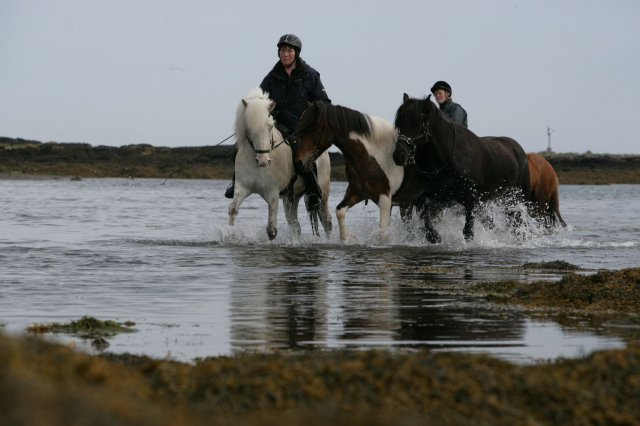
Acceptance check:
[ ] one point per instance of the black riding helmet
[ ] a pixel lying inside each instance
(291, 40)
(441, 85)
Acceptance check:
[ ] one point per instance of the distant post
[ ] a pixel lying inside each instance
(549, 130)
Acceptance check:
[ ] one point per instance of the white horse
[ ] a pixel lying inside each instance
(264, 166)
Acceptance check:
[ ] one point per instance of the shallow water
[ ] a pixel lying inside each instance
(163, 257)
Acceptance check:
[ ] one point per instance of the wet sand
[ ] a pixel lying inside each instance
(46, 383)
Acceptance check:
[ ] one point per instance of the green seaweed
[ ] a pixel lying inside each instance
(603, 291)
(86, 327)
(554, 265)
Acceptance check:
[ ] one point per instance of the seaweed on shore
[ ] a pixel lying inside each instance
(87, 327)
(45, 383)
(600, 292)
(554, 265)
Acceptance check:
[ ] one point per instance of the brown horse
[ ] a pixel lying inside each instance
(367, 143)
(545, 202)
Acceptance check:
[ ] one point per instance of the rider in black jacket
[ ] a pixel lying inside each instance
(291, 84)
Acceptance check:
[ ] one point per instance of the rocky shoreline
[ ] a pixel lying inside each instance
(22, 158)
(53, 384)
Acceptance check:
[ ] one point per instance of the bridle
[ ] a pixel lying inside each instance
(264, 151)
(427, 135)
(411, 142)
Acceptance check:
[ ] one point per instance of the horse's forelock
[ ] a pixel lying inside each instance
(253, 112)
(257, 112)
(408, 111)
(256, 93)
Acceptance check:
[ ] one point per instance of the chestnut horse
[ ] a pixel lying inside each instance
(367, 143)
(545, 201)
(449, 163)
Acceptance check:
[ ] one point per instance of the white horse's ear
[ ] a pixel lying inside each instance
(405, 98)
(245, 103)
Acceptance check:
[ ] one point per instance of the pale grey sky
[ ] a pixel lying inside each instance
(171, 73)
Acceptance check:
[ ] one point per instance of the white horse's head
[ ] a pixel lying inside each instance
(254, 125)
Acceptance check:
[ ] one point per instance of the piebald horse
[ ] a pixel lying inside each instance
(264, 166)
(367, 143)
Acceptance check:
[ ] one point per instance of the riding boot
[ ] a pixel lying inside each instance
(313, 195)
(230, 189)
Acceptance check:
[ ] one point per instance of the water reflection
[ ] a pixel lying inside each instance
(438, 320)
(308, 297)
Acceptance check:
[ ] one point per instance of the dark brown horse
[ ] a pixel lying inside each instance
(367, 143)
(447, 163)
(545, 200)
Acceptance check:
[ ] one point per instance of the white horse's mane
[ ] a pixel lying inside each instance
(384, 132)
(256, 113)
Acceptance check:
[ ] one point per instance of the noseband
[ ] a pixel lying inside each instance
(261, 151)
(264, 151)
(411, 142)
(426, 133)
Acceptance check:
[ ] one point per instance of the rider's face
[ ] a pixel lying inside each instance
(287, 55)
(441, 96)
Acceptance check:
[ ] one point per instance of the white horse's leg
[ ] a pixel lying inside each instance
(239, 196)
(351, 198)
(325, 216)
(341, 215)
(272, 223)
(291, 214)
(324, 180)
(384, 204)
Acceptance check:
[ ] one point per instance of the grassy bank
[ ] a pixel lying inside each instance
(45, 383)
(26, 158)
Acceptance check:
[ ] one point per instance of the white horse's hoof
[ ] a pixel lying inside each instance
(381, 236)
(272, 233)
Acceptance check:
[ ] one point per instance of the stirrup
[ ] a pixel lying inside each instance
(230, 189)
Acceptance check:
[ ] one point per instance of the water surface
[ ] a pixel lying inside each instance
(163, 257)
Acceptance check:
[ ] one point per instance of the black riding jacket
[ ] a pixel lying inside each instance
(292, 94)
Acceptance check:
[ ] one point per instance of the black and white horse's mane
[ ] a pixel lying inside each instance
(334, 118)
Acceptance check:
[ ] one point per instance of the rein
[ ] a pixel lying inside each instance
(195, 158)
